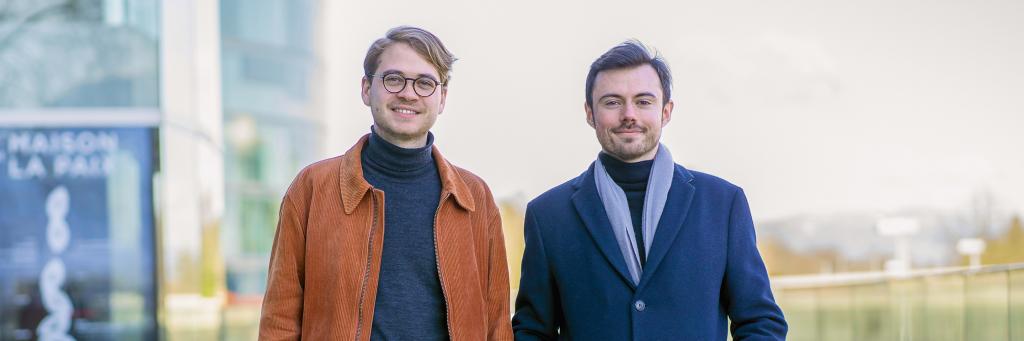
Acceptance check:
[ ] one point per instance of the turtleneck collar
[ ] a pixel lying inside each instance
(627, 173)
(393, 159)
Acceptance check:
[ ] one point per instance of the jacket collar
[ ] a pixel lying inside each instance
(354, 186)
(588, 175)
(595, 218)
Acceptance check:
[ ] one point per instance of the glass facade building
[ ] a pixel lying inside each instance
(267, 62)
(79, 103)
(272, 129)
(144, 149)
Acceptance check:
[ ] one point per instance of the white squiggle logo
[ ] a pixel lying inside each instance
(56, 324)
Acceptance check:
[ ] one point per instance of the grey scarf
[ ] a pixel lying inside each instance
(614, 200)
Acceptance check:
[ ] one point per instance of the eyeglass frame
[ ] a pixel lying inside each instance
(406, 83)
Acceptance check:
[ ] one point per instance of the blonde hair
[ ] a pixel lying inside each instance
(426, 44)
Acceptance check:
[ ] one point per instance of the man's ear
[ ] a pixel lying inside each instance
(590, 115)
(444, 96)
(366, 82)
(666, 112)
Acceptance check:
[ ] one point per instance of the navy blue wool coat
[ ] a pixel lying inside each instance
(703, 269)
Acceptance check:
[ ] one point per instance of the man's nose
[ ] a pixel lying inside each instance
(408, 93)
(629, 112)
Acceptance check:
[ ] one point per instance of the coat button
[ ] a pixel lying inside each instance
(640, 305)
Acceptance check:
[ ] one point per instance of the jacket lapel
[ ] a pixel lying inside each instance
(591, 211)
(680, 197)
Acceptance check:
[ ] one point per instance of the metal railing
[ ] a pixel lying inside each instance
(937, 304)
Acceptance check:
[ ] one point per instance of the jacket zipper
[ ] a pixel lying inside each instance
(366, 272)
(440, 278)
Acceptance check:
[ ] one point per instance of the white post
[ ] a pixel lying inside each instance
(972, 248)
(900, 229)
(191, 184)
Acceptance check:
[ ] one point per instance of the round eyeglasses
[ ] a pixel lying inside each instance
(394, 83)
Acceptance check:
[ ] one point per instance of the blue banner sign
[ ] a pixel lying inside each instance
(76, 234)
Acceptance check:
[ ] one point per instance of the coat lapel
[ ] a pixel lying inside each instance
(680, 197)
(591, 211)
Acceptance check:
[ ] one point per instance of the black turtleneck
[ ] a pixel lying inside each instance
(632, 178)
(410, 304)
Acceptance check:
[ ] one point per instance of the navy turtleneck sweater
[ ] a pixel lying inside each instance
(632, 178)
(410, 304)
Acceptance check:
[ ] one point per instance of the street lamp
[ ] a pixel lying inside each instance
(900, 229)
(973, 248)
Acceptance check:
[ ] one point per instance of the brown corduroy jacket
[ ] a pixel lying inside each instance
(325, 261)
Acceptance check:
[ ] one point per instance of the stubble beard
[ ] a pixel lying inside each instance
(629, 149)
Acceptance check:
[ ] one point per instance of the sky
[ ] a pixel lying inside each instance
(813, 107)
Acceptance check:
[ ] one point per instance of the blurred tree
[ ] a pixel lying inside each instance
(512, 221)
(780, 260)
(1007, 248)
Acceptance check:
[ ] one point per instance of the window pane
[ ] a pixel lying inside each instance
(944, 299)
(88, 53)
(1017, 305)
(987, 306)
(800, 308)
(872, 317)
(835, 307)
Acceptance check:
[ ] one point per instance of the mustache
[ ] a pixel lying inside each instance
(629, 127)
(405, 103)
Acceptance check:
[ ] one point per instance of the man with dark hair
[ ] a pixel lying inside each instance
(427, 263)
(638, 247)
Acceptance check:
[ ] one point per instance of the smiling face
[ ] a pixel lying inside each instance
(627, 113)
(403, 118)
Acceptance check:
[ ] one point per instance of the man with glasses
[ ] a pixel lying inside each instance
(390, 241)
(639, 247)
